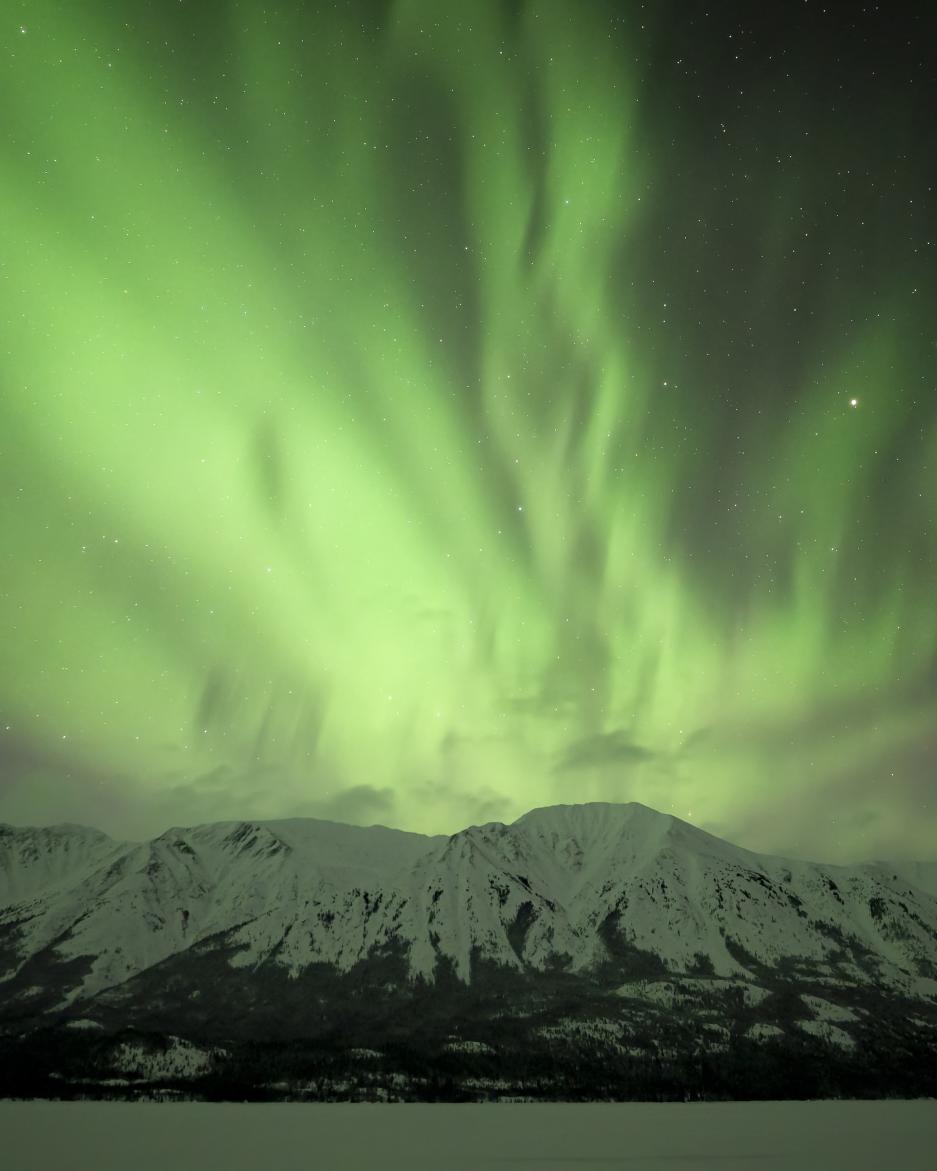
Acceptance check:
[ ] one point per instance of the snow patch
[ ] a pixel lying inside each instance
(763, 1032)
(828, 1032)
(179, 1058)
(826, 1010)
(460, 1046)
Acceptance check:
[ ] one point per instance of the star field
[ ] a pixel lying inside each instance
(415, 414)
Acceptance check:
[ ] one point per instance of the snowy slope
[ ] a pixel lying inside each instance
(668, 887)
(130, 908)
(578, 884)
(34, 860)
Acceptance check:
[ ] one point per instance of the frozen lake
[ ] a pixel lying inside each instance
(742, 1136)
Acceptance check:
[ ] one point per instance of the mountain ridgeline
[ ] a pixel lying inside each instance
(593, 951)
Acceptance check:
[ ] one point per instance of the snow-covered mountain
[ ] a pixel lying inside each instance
(564, 883)
(619, 897)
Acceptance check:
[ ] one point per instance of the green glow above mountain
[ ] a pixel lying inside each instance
(417, 417)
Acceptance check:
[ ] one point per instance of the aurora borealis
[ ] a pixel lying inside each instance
(416, 413)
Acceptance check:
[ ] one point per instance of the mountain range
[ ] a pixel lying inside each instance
(583, 951)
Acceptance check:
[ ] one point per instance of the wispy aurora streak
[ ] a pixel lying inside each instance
(420, 419)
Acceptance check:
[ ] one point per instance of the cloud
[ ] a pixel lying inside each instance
(604, 748)
(700, 737)
(357, 805)
(459, 806)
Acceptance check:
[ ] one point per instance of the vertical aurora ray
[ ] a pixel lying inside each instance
(417, 419)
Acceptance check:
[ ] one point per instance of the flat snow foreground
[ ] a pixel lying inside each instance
(738, 1136)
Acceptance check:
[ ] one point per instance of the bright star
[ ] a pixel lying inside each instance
(853, 402)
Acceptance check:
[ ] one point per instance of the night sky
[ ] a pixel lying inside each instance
(416, 413)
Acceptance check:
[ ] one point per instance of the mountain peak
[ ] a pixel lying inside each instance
(593, 820)
(592, 809)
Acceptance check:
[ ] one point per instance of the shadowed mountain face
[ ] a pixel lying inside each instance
(609, 928)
